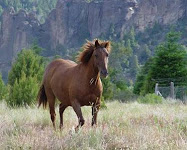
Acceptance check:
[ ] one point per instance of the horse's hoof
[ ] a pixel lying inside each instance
(94, 125)
(77, 129)
(61, 128)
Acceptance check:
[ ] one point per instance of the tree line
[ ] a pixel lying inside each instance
(41, 7)
(169, 62)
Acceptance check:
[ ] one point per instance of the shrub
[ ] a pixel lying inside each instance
(29, 62)
(103, 104)
(125, 95)
(2, 88)
(23, 79)
(24, 92)
(150, 99)
(168, 64)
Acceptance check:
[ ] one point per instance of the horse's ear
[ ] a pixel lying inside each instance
(97, 43)
(107, 44)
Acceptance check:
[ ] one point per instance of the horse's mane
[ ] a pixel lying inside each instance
(89, 48)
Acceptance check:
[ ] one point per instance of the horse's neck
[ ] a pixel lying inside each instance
(92, 72)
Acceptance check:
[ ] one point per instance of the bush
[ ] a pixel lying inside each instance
(29, 62)
(108, 89)
(24, 92)
(24, 78)
(125, 95)
(150, 99)
(2, 88)
(103, 104)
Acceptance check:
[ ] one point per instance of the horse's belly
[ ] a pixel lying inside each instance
(88, 100)
(61, 92)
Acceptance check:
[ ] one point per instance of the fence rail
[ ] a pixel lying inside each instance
(172, 91)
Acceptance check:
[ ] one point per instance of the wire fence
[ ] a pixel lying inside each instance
(174, 92)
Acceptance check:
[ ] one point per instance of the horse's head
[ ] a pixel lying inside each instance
(100, 55)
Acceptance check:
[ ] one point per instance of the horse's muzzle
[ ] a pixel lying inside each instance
(104, 73)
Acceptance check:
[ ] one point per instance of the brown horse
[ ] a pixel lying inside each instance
(74, 84)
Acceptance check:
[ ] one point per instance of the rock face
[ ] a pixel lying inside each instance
(149, 12)
(18, 31)
(73, 21)
(76, 20)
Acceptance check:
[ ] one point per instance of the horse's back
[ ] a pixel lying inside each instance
(58, 66)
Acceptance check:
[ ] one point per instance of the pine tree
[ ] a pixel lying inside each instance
(169, 64)
(28, 62)
(132, 37)
(141, 77)
(145, 54)
(134, 66)
(24, 92)
(170, 61)
(25, 77)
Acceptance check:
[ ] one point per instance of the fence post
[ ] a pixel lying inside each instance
(156, 88)
(172, 90)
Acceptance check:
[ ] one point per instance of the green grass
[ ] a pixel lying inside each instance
(121, 126)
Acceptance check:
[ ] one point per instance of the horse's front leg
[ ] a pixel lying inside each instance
(95, 109)
(77, 108)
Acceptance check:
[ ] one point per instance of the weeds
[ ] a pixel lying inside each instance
(120, 126)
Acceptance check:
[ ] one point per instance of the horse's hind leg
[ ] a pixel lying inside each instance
(51, 101)
(77, 108)
(61, 110)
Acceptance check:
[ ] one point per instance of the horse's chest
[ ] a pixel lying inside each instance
(86, 94)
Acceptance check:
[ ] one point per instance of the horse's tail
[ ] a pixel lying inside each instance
(42, 98)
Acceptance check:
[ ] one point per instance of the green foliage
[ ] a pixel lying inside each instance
(134, 66)
(24, 92)
(40, 7)
(115, 88)
(119, 59)
(24, 77)
(28, 62)
(170, 60)
(169, 64)
(130, 38)
(145, 54)
(103, 104)
(3, 89)
(57, 57)
(150, 99)
(141, 79)
(125, 95)
(115, 84)
(108, 90)
(139, 83)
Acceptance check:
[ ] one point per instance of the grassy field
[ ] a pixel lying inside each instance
(121, 126)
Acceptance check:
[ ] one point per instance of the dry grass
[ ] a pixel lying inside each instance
(121, 126)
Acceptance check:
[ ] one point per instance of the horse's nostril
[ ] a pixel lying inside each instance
(104, 72)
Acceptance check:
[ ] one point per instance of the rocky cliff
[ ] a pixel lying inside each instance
(18, 30)
(73, 21)
(149, 12)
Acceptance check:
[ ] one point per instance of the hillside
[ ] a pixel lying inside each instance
(40, 8)
(72, 21)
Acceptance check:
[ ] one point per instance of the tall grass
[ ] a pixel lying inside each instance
(121, 126)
